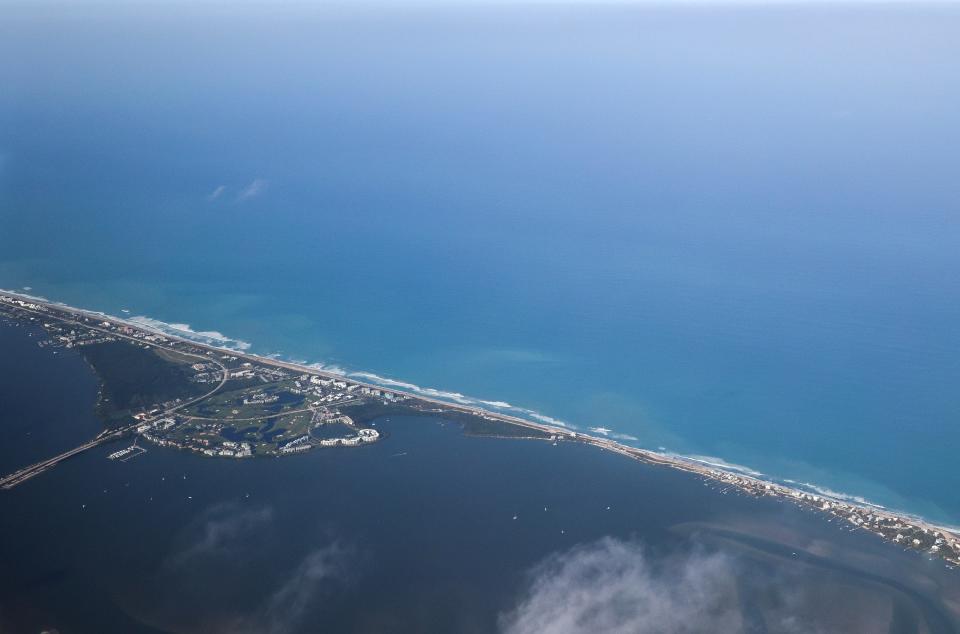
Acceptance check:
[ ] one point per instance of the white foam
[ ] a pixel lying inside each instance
(609, 433)
(720, 463)
(498, 404)
(549, 420)
(411, 387)
(323, 367)
(456, 397)
(209, 337)
(24, 295)
(846, 497)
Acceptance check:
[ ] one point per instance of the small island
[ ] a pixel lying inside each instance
(223, 403)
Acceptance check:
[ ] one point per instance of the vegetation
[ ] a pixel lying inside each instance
(472, 424)
(134, 377)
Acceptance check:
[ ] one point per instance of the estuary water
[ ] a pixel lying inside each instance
(426, 531)
(725, 231)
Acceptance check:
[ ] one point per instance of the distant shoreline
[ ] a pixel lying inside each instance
(888, 524)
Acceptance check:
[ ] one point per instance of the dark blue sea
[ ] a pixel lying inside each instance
(428, 530)
(727, 231)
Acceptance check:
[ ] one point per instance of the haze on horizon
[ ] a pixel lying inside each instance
(727, 230)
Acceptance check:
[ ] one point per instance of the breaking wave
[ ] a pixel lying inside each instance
(720, 463)
(456, 397)
(830, 493)
(23, 294)
(209, 337)
(808, 487)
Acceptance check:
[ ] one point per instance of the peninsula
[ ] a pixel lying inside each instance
(175, 392)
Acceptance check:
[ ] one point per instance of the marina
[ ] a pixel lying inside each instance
(128, 453)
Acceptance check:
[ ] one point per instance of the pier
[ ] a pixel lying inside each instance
(128, 453)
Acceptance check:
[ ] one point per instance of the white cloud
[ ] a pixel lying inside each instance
(217, 193)
(230, 540)
(288, 604)
(254, 189)
(222, 530)
(611, 586)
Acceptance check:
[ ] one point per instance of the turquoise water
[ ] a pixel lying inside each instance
(727, 232)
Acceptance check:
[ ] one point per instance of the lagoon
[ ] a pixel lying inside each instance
(426, 530)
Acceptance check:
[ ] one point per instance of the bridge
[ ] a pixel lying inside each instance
(22, 475)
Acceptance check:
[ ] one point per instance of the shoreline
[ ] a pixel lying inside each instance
(890, 525)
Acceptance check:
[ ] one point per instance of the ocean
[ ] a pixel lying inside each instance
(723, 231)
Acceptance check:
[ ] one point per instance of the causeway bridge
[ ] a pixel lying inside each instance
(24, 474)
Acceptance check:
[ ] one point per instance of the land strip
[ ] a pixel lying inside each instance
(297, 407)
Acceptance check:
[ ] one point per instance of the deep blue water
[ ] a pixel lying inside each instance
(37, 421)
(425, 531)
(726, 231)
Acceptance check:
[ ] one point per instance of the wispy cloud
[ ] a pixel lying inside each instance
(217, 192)
(221, 530)
(254, 189)
(287, 606)
(224, 578)
(612, 586)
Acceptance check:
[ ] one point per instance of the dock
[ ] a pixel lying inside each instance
(128, 453)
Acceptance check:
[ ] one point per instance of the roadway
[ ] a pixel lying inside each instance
(24, 474)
